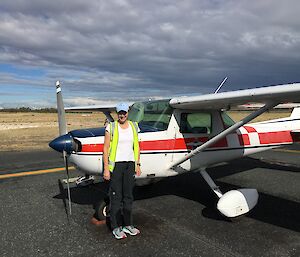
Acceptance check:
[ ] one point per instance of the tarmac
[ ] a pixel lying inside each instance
(176, 216)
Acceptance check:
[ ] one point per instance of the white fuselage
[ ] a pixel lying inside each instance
(160, 148)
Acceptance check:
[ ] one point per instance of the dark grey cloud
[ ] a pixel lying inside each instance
(157, 47)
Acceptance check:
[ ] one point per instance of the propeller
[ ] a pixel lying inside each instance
(63, 131)
(68, 177)
(60, 111)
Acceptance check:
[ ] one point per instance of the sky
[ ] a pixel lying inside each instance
(129, 50)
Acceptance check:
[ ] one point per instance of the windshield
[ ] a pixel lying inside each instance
(228, 122)
(152, 115)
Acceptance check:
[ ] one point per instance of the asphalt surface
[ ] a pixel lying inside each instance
(176, 216)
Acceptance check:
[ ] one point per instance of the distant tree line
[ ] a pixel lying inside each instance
(28, 109)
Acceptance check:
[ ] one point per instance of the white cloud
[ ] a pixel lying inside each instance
(147, 48)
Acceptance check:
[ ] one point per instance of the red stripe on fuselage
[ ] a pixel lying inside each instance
(190, 143)
(92, 148)
(179, 144)
(162, 145)
(244, 139)
(275, 137)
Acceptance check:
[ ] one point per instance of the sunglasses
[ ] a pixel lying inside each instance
(122, 113)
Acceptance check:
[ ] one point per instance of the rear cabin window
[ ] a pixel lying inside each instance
(196, 123)
(152, 115)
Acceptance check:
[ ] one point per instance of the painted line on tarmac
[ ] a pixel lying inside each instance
(286, 150)
(36, 172)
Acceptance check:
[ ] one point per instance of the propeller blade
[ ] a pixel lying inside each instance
(68, 177)
(60, 111)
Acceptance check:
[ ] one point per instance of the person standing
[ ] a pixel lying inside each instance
(121, 156)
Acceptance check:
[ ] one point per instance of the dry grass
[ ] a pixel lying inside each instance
(238, 115)
(33, 131)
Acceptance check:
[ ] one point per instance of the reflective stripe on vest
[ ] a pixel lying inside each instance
(114, 139)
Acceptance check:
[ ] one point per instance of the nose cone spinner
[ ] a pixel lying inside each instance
(63, 143)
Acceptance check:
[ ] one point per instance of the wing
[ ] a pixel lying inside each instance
(271, 94)
(106, 109)
(100, 108)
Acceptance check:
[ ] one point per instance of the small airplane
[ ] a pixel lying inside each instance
(188, 134)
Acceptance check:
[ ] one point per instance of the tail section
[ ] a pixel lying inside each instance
(282, 131)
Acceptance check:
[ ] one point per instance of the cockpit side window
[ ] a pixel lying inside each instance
(152, 115)
(196, 123)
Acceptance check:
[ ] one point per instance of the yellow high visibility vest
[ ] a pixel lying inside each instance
(114, 139)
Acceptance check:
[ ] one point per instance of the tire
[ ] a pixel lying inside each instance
(102, 210)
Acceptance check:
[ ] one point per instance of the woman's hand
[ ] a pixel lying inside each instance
(138, 171)
(106, 174)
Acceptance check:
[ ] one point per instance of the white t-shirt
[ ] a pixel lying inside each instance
(125, 144)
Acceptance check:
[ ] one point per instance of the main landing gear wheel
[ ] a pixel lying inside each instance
(102, 210)
(234, 203)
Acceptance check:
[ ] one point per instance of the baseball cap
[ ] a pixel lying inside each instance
(122, 107)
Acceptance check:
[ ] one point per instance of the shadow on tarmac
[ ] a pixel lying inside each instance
(270, 209)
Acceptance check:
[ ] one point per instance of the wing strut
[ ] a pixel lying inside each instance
(223, 134)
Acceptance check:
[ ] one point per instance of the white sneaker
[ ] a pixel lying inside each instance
(118, 233)
(131, 230)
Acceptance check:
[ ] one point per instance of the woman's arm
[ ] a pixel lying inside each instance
(106, 172)
(138, 166)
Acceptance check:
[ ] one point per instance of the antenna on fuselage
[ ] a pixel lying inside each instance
(222, 83)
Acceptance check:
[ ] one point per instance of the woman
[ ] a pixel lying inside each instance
(121, 157)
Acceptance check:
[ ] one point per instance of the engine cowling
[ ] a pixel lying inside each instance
(65, 143)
